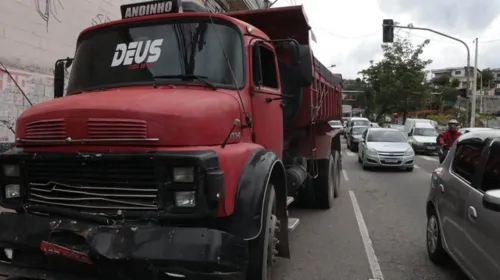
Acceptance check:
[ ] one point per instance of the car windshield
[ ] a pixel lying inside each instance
(425, 132)
(358, 130)
(386, 136)
(360, 123)
(171, 51)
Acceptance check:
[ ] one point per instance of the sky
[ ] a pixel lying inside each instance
(349, 32)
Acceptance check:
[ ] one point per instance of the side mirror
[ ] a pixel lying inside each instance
(491, 200)
(59, 70)
(410, 134)
(305, 67)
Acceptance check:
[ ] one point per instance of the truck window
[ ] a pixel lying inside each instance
(142, 52)
(266, 72)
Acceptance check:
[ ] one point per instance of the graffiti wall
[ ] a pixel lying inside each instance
(37, 87)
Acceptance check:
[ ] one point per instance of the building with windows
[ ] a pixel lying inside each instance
(458, 73)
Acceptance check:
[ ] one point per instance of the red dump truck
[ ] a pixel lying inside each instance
(174, 149)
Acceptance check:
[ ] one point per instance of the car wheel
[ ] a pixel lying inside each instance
(434, 244)
(365, 167)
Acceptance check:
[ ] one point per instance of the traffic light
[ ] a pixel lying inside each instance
(388, 31)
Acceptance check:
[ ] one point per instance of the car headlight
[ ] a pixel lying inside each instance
(371, 152)
(11, 170)
(417, 143)
(12, 191)
(183, 174)
(409, 152)
(185, 199)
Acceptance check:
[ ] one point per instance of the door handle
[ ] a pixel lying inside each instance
(472, 213)
(441, 187)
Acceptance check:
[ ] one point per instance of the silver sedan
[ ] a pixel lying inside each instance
(385, 147)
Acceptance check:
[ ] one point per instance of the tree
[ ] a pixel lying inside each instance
(488, 78)
(397, 82)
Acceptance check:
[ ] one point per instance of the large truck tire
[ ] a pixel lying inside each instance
(320, 192)
(262, 250)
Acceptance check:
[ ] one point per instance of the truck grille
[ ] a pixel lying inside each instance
(92, 186)
(46, 130)
(116, 128)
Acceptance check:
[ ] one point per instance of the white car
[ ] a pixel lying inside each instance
(336, 125)
(385, 147)
(474, 129)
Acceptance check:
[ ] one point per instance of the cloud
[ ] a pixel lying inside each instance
(349, 33)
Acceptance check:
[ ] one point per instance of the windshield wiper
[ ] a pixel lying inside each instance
(191, 77)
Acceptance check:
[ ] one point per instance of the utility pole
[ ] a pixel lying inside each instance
(474, 91)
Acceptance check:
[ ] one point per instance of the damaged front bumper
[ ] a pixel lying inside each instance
(45, 248)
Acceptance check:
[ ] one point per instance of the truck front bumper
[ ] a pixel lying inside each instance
(53, 249)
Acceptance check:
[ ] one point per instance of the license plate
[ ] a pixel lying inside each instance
(393, 160)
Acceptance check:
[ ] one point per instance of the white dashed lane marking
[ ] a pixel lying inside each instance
(429, 158)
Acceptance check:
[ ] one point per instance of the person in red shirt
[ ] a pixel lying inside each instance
(448, 137)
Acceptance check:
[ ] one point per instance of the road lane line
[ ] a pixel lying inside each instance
(351, 154)
(346, 178)
(367, 242)
(428, 158)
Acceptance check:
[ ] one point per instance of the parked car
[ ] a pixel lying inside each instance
(354, 136)
(399, 127)
(463, 206)
(472, 129)
(336, 125)
(385, 147)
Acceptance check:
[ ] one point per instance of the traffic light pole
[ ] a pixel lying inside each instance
(473, 97)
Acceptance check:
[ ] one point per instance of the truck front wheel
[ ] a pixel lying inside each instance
(263, 250)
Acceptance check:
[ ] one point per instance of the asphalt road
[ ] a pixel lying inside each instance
(376, 229)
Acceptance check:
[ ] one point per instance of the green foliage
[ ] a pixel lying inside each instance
(397, 82)
(488, 78)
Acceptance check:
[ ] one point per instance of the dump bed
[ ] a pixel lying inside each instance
(322, 100)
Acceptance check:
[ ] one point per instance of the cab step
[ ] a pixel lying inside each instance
(289, 200)
(293, 223)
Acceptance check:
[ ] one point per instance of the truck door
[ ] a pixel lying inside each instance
(267, 113)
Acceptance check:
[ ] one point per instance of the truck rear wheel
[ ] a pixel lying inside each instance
(320, 192)
(262, 250)
(324, 184)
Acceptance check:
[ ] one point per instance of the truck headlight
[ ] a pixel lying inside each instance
(185, 199)
(371, 152)
(11, 170)
(12, 191)
(184, 174)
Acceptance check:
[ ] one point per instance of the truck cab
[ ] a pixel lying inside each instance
(175, 148)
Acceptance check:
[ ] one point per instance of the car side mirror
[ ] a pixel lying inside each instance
(59, 70)
(410, 134)
(491, 200)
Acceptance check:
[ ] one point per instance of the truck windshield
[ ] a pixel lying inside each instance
(170, 52)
